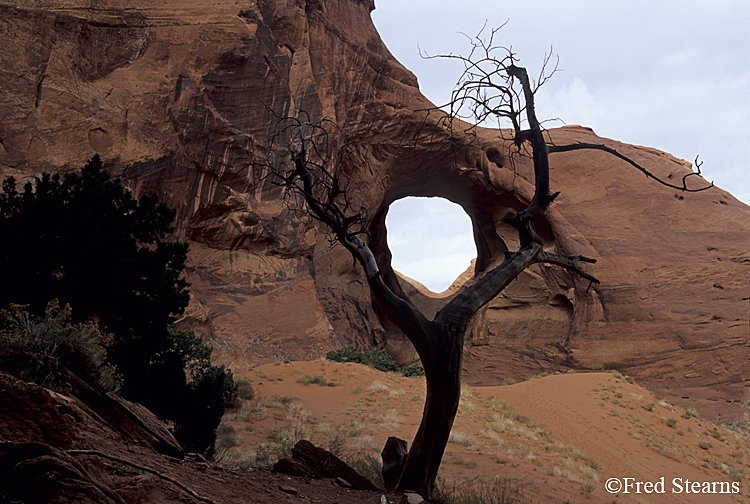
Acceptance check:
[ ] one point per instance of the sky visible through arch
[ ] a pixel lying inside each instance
(431, 240)
(673, 75)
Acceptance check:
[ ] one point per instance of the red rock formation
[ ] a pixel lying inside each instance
(64, 421)
(176, 99)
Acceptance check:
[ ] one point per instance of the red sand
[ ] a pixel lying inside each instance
(580, 430)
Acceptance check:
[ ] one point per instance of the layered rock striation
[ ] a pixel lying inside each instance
(184, 99)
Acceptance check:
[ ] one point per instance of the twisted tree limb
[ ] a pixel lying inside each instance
(583, 145)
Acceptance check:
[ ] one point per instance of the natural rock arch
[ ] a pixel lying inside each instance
(487, 193)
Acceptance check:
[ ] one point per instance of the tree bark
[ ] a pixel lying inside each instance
(443, 379)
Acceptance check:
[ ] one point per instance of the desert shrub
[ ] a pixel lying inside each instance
(244, 389)
(346, 354)
(460, 437)
(376, 358)
(316, 379)
(415, 369)
(197, 402)
(227, 437)
(380, 360)
(691, 412)
(84, 239)
(373, 357)
(197, 428)
(41, 349)
(371, 467)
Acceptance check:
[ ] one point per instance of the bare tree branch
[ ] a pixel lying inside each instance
(649, 174)
(571, 263)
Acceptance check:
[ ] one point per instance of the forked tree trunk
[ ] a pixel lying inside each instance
(443, 380)
(441, 350)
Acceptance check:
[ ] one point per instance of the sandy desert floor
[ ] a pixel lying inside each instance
(555, 439)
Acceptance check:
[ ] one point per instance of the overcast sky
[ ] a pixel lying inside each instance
(674, 75)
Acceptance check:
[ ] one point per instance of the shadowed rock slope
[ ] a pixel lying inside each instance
(180, 99)
(58, 449)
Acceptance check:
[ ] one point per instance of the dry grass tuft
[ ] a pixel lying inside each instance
(499, 491)
(317, 380)
(460, 437)
(379, 386)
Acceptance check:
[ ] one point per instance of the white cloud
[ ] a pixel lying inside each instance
(573, 103)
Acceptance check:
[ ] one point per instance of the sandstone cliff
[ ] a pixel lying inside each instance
(179, 98)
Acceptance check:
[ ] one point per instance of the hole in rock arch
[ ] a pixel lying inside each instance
(431, 240)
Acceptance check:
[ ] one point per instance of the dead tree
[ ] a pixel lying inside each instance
(490, 87)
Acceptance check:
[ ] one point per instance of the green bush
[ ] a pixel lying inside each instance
(415, 369)
(346, 354)
(185, 387)
(210, 390)
(380, 360)
(42, 349)
(85, 240)
(376, 358)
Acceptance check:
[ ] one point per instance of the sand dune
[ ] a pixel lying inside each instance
(555, 438)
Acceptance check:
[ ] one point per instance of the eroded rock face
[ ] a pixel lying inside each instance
(181, 99)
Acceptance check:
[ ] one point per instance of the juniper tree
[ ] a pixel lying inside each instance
(86, 241)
